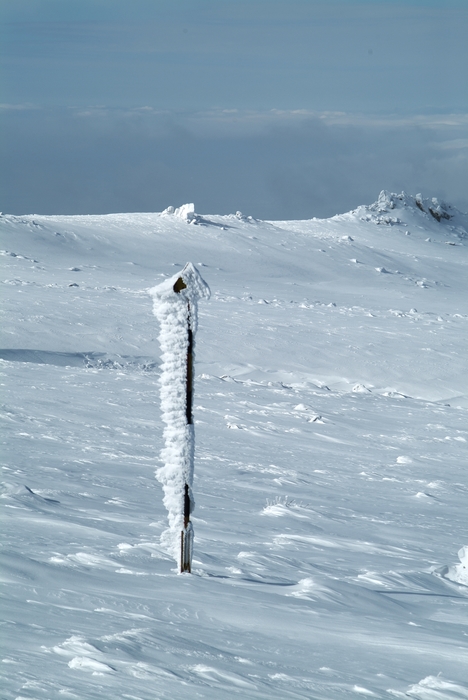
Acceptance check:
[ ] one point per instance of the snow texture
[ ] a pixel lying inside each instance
(331, 418)
(176, 313)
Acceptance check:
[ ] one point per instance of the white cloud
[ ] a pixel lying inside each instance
(17, 107)
(454, 144)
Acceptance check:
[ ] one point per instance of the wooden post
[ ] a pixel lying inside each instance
(186, 536)
(175, 305)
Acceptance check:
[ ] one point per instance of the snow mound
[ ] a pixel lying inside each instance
(185, 212)
(436, 688)
(402, 209)
(388, 201)
(361, 389)
(459, 572)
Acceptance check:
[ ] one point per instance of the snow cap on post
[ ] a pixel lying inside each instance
(196, 286)
(175, 307)
(170, 293)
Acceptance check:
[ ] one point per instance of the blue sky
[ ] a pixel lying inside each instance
(87, 83)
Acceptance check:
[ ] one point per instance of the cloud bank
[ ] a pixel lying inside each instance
(270, 164)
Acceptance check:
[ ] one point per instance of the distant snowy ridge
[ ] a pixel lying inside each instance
(388, 205)
(389, 209)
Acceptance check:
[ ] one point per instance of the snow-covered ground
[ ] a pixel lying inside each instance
(331, 404)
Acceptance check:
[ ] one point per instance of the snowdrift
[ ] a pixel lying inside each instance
(331, 399)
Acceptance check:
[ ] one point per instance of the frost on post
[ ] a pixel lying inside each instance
(175, 306)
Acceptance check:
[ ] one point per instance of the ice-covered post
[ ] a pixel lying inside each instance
(175, 306)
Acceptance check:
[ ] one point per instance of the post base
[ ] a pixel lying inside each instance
(186, 548)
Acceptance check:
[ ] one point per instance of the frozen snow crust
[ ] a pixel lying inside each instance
(330, 409)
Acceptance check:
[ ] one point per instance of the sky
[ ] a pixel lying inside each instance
(284, 108)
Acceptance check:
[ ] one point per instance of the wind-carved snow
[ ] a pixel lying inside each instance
(176, 312)
(458, 573)
(435, 688)
(185, 212)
